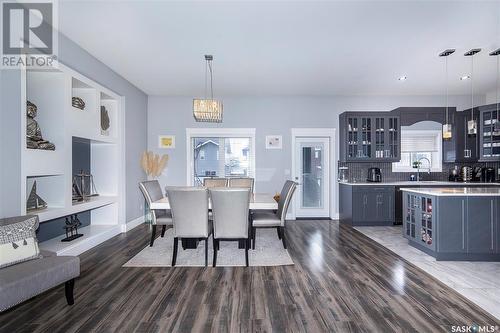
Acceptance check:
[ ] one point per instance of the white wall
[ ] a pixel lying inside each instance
(269, 115)
(78, 59)
(136, 100)
(491, 97)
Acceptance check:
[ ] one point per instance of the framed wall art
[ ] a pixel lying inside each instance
(166, 141)
(274, 142)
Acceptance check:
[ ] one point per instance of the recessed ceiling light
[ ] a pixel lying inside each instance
(465, 77)
(402, 78)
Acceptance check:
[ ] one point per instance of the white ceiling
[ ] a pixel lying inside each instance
(289, 48)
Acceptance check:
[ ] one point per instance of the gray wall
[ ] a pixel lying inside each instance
(136, 102)
(269, 115)
(10, 142)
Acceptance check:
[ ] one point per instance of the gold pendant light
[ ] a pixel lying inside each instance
(208, 109)
(472, 124)
(446, 126)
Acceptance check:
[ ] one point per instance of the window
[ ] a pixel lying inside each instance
(220, 153)
(419, 145)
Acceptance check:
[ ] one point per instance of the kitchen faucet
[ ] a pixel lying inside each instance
(419, 163)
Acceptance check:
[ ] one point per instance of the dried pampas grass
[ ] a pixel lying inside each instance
(152, 164)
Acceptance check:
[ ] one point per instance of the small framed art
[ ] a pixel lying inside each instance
(166, 141)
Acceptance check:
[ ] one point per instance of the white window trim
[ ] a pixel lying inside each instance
(219, 133)
(437, 166)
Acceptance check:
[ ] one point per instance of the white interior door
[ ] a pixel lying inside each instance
(312, 167)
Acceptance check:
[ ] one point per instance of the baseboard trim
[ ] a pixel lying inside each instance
(132, 224)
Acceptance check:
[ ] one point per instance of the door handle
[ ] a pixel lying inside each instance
(463, 225)
(491, 223)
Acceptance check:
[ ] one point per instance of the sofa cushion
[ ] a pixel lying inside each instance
(18, 241)
(24, 280)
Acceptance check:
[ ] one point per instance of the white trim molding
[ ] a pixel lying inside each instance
(133, 223)
(330, 133)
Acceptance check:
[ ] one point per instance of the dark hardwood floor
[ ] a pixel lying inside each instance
(341, 281)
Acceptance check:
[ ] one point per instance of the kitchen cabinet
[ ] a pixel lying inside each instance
(454, 148)
(482, 217)
(457, 227)
(419, 223)
(366, 205)
(489, 136)
(370, 137)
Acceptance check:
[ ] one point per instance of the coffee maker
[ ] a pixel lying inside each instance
(488, 175)
(374, 175)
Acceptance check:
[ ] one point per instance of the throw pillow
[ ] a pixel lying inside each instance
(18, 241)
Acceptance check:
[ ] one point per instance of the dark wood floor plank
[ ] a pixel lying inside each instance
(341, 282)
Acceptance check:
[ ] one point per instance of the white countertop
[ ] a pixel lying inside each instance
(456, 191)
(423, 183)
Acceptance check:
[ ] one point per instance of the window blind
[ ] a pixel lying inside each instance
(420, 141)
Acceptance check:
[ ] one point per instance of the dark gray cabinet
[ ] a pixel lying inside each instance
(454, 149)
(482, 216)
(366, 205)
(453, 227)
(370, 137)
(489, 135)
(452, 237)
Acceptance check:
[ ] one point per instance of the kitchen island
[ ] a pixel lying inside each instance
(453, 223)
(377, 204)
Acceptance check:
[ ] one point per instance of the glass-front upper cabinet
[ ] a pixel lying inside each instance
(387, 132)
(369, 136)
(352, 137)
(394, 132)
(489, 134)
(365, 150)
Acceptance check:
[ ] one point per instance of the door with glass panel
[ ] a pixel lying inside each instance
(312, 167)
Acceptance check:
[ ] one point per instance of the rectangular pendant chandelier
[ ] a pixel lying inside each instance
(207, 110)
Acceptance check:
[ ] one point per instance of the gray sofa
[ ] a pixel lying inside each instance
(22, 281)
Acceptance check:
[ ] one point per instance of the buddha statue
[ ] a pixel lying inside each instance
(34, 139)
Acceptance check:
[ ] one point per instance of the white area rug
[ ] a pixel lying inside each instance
(477, 281)
(269, 251)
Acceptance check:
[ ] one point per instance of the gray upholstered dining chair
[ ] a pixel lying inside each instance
(244, 182)
(151, 190)
(189, 206)
(230, 217)
(270, 219)
(215, 182)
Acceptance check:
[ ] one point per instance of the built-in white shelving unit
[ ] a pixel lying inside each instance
(61, 123)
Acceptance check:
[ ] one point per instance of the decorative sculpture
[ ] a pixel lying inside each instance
(85, 185)
(152, 164)
(34, 201)
(34, 138)
(77, 193)
(78, 103)
(104, 121)
(71, 229)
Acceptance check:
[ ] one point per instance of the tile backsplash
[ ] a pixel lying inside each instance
(358, 171)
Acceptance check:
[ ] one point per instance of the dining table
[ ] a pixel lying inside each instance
(258, 201)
